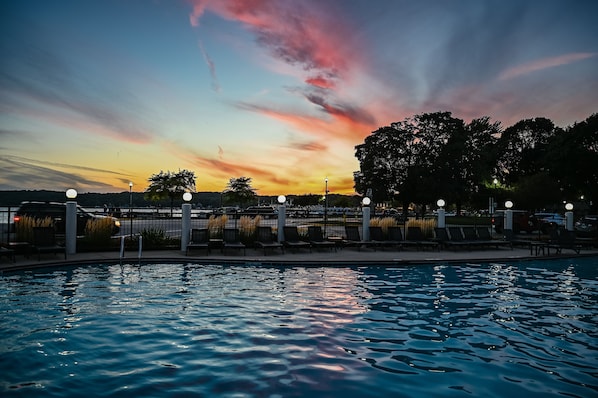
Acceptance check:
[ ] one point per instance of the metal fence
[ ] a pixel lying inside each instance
(135, 221)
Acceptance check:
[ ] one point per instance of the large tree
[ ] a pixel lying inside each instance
(239, 191)
(170, 185)
(572, 161)
(522, 148)
(423, 158)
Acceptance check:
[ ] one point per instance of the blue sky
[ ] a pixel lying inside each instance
(94, 94)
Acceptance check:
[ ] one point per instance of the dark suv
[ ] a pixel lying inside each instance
(57, 212)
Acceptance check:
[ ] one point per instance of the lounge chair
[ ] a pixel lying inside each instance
(415, 236)
(266, 241)
(457, 237)
(470, 235)
(484, 234)
(395, 237)
(446, 241)
(562, 239)
(231, 239)
(510, 237)
(354, 239)
(316, 238)
(199, 240)
(44, 241)
(292, 239)
(377, 238)
(9, 253)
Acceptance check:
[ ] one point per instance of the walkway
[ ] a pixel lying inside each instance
(346, 256)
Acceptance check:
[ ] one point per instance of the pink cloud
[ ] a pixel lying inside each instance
(544, 64)
(299, 33)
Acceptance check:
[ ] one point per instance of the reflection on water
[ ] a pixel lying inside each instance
(175, 329)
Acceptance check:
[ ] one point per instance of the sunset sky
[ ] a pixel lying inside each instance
(94, 94)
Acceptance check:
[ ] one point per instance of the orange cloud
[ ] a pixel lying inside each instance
(544, 64)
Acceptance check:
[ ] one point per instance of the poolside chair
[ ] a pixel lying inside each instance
(199, 240)
(44, 241)
(316, 238)
(292, 239)
(562, 239)
(443, 238)
(231, 239)
(510, 237)
(484, 234)
(416, 237)
(9, 253)
(377, 237)
(266, 241)
(354, 239)
(470, 235)
(395, 237)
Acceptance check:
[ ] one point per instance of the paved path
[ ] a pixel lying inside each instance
(346, 256)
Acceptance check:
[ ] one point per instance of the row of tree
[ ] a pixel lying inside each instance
(435, 155)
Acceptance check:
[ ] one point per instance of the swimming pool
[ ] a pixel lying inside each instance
(166, 330)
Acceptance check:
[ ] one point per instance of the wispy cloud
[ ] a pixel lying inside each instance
(545, 63)
(23, 173)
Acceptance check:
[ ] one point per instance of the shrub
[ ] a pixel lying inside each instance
(248, 227)
(427, 226)
(383, 222)
(154, 238)
(98, 231)
(216, 225)
(24, 228)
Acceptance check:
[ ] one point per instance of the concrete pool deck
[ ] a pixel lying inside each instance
(345, 256)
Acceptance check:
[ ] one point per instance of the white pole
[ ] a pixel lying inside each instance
(122, 247)
(569, 220)
(185, 225)
(282, 209)
(441, 218)
(71, 227)
(140, 247)
(509, 219)
(366, 222)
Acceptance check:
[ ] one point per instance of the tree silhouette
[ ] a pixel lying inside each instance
(170, 185)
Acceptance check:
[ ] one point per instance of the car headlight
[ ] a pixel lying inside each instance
(117, 223)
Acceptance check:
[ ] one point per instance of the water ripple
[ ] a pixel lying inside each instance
(211, 330)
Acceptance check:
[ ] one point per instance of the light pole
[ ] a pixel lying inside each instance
(326, 207)
(130, 210)
(185, 220)
(281, 217)
(508, 215)
(70, 231)
(569, 216)
(365, 211)
(441, 213)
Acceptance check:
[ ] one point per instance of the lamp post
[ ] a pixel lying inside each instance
(326, 206)
(441, 213)
(508, 215)
(569, 216)
(282, 208)
(130, 210)
(185, 220)
(365, 209)
(70, 230)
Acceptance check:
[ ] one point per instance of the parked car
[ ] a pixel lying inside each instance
(548, 221)
(587, 227)
(57, 212)
(522, 221)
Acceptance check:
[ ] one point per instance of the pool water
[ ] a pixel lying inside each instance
(165, 330)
